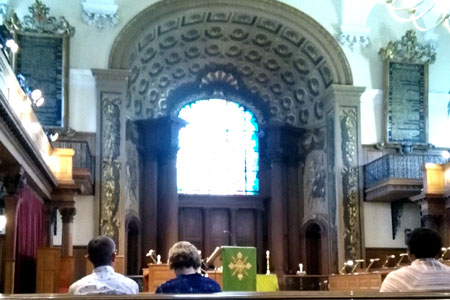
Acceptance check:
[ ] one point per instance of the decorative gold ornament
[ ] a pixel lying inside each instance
(239, 265)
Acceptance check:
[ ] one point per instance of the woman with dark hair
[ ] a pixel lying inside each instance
(185, 261)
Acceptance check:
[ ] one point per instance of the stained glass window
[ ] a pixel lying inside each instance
(218, 149)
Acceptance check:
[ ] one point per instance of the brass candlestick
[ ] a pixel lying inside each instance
(268, 262)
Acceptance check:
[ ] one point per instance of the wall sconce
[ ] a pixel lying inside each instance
(6, 41)
(52, 135)
(36, 97)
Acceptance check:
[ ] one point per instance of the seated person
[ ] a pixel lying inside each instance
(425, 273)
(103, 280)
(185, 261)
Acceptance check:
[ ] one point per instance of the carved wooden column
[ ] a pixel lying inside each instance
(148, 201)
(159, 144)
(283, 151)
(13, 182)
(168, 197)
(49, 212)
(277, 202)
(67, 214)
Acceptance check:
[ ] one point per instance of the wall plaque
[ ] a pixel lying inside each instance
(406, 103)
(43, 59)
(406, 91)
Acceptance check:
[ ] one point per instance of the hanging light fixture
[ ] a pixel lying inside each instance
(424, 14)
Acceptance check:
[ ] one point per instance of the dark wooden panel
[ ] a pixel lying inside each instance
(191, 224)
(246, 228)
(219, 227)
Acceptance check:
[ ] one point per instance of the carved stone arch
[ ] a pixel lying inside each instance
(218, 84)
(133, 244)
(285, 59)
(323, 252)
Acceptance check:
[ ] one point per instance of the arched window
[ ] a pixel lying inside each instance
(218, 152)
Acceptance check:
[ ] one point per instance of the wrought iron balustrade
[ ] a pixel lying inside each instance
(408, 166)
(83, 157)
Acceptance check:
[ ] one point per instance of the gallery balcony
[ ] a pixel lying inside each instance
(83, 163)
(396, 176)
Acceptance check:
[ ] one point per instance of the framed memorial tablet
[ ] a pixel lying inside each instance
(43, 60)
(405, 101)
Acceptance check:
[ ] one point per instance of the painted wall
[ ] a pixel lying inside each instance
(90, 48)
(83, 222)
(378, 224)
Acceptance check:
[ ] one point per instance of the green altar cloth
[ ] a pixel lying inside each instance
(239, 268)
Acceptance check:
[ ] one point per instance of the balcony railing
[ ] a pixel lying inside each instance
(83, 157)
(398, 166)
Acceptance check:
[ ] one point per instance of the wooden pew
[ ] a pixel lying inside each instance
(292, 295)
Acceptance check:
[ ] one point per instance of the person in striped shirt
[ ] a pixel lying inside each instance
(426, 272)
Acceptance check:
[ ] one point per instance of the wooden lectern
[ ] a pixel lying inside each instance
(155, 275)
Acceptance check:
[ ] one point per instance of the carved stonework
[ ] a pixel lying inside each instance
(350, 174)
(331, 190)
(99, 13)
(280, 70)
(110, 166)
(67, 214)
(14, 181)
(40, 22)
(133, 169)
(409, 50)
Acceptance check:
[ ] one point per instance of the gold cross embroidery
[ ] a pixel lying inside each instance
(239, 266)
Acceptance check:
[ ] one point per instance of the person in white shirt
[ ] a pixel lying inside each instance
(103, 280)
(425, 273)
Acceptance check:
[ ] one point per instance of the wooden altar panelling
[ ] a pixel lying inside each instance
(219, 228)
(245, 229)
(191, 226)
(355, 282)
(209, 221)
(47, 270)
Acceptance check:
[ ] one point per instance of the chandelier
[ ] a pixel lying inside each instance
(424, 14)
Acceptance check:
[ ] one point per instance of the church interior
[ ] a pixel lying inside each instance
(315, 133)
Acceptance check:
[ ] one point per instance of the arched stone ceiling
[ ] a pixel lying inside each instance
(271, 58)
